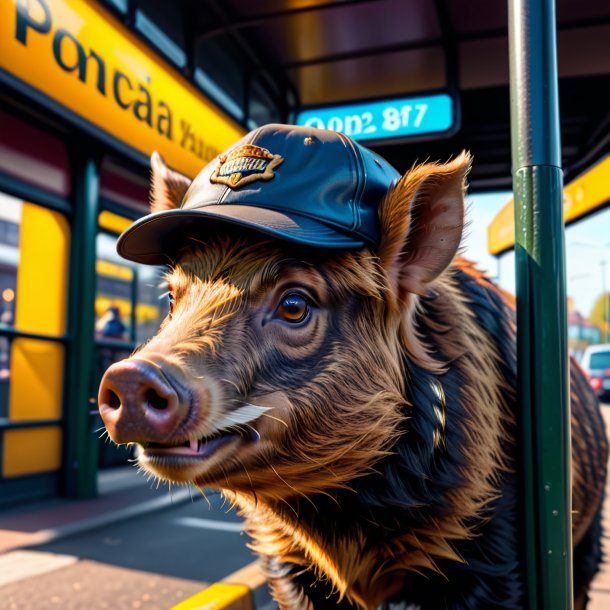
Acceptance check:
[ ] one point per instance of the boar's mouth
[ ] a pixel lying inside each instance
(233, 426)
(197, 448)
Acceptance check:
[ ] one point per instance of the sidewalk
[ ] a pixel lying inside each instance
(123, 493)
(32, 579)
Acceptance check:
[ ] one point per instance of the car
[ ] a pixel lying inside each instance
(596, 363)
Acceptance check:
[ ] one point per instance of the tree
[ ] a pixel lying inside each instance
(600, 314)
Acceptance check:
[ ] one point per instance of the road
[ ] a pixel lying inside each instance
(192, 540)
(151, 562)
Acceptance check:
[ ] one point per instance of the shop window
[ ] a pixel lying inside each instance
(34, 247)
(130, 300)
(162, 23)
(10, 220)
(157, 36)
(119, 5)
(130, 304)
(153, 302)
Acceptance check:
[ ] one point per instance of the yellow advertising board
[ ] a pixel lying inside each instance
(586, 193)
(83, 59)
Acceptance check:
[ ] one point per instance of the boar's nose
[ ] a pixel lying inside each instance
(138, 403)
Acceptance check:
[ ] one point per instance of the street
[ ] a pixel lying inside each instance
(191, 541)
(151, 561)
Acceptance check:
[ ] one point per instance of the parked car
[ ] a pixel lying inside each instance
(596, 363)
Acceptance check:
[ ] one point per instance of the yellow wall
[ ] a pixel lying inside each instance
(42, 277)
(36, 379)
(37, 366)
(31, 450)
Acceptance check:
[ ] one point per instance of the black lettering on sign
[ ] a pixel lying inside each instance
(195, 144)
(142, 109)
(118, 77)
(25, 20)
(68, 56)
(210, 152)
(187, 136)
(101, 71)
(72, 56)
(164, 120)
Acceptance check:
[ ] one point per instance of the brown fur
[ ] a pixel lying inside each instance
(338, 389)
(167, 186)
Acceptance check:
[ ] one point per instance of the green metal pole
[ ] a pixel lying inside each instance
(541, 304)
(80, 446)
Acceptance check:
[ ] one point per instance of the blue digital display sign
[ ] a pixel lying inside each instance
(396, 118)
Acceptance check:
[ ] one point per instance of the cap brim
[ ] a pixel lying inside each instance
(158, 238)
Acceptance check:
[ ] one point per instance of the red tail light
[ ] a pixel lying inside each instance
(596, 383)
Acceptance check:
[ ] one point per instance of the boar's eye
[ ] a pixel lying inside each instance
(172, 301)
(293, 308)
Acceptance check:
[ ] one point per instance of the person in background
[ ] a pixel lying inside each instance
(110, 325)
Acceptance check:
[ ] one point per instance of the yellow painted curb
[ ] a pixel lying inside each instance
(219, 596)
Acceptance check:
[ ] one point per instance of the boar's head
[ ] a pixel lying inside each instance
(279, 369)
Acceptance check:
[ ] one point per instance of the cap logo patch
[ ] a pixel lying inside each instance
(244, 165)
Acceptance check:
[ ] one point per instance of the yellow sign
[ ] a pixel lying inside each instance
(586, 193)
(84, 59)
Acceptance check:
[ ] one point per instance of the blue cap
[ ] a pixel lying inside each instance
(300, 184)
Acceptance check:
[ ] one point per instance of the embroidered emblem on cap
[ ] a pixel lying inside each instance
(244, 165)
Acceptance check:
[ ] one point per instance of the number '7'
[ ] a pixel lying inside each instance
(421, 111)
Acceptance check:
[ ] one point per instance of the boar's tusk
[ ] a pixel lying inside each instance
(243, 415)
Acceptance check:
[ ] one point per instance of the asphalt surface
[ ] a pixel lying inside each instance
(151, 561)
(191, 541)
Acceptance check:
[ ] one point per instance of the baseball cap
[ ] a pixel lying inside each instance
(310, 186)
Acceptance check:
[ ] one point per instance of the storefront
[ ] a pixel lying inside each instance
(83, 103)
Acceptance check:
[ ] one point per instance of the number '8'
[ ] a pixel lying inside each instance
(391, 119)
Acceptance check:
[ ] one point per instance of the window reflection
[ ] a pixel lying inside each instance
(127, 294)
(130, 304)
(114, 292)
(10, 219)
(153, 303)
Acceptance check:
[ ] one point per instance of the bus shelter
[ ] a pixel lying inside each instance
(89, 89)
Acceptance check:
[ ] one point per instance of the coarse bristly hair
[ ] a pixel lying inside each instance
(384, 468)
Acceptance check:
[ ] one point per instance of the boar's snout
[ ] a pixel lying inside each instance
(138, 402)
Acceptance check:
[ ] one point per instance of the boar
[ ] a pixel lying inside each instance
(348, 381)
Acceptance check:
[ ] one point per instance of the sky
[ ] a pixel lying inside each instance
(480, 211)
(587, 251)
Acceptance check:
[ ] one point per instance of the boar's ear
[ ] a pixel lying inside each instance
(421, 223)
(167, 187)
